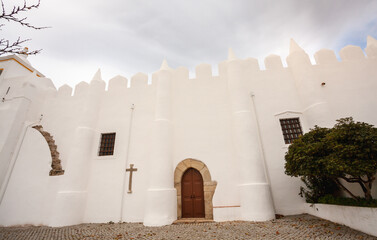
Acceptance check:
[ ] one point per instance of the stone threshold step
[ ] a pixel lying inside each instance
(192, 220)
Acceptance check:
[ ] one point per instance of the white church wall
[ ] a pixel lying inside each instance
(106, 177)
(27, 199)
(12, 69)
(138, 153)
(60, 119)
(100, 196)
(94, 188)
(44, 88)
(18, 104)
(272, 103)
(68, 119)
(254, 187)
(350, 91)
(13, 116)
(161, 196)
(272, 100)
(199, 105)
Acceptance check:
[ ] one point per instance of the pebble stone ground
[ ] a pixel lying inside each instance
(290, 227)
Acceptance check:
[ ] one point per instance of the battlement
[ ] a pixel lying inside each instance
(273, 63)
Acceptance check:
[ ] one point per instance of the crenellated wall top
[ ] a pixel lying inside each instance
(203, 71)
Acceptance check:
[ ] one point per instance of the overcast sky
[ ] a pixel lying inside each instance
(123, 37)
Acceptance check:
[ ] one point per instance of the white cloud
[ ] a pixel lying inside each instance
(125, 36)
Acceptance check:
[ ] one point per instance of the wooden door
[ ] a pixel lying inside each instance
(192, 194)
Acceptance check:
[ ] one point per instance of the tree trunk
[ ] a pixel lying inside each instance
(368, 187)
(344, 188)
(368, 195)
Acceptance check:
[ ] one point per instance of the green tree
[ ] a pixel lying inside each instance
(317, 187)
(347, 151)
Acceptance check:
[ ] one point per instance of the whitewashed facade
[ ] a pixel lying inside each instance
(225, 126)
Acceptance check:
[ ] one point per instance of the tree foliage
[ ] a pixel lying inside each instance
(13, 16)
(317, 187)
(347, 151)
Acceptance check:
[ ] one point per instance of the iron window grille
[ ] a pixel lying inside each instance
(291, 128)
(107, 144)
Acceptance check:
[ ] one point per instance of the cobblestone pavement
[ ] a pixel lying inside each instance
(291, 227)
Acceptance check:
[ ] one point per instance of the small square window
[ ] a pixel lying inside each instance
(107, 144)
(291, 128)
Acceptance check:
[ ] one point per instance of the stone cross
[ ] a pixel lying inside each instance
(131, 169)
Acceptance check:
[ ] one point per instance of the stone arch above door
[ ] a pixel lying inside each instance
(209, 185)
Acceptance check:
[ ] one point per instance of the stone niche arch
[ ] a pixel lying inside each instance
(56, 166)
(209, 185)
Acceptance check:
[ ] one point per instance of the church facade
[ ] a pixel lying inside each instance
(210, 147)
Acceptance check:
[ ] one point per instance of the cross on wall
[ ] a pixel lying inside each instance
(131, 170)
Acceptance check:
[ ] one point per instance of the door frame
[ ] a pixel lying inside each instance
(209, 186)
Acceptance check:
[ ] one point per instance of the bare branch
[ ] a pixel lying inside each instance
(2, 7)
(15, 47)
(7, 47)
(351, 180)
(12, 16)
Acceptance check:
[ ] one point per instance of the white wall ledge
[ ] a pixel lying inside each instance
(363, 219)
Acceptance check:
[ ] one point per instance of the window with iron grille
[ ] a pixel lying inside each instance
(291, 129)
(107, 144)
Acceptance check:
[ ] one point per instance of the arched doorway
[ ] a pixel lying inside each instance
(192, 194)
(209, 186)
